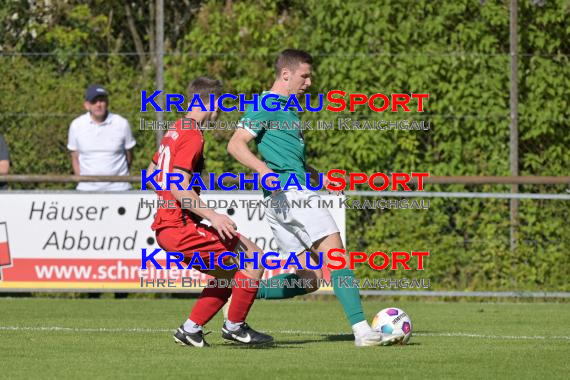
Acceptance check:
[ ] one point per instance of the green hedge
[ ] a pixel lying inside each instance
(458, 51)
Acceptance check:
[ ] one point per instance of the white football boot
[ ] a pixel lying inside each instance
(376, 338)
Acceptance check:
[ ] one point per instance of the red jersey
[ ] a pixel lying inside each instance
(182, 149)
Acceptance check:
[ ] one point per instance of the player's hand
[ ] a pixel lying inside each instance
(268, 182)
(327, 182)
(224, 225)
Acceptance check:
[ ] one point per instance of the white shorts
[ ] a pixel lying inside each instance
(297, 228)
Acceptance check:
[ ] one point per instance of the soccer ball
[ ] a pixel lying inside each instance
(393, 321)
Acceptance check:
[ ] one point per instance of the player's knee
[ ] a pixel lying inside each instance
(336, 259)
(247, 246)
(312, 286)
(253, 271)
(252, 253)
(332, 241)
(311, 279)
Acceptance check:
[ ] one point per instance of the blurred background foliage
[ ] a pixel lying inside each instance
(458, 51)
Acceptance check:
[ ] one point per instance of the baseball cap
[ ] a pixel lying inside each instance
(93, 91)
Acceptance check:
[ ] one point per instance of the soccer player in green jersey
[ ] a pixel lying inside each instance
(301, 230)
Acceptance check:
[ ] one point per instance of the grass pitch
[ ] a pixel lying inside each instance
(131, 338)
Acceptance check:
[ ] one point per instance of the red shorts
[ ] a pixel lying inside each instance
(195, 238)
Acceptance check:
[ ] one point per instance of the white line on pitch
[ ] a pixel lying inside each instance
(287, 332)
(84, 329)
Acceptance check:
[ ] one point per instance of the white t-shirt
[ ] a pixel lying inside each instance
(102, 149)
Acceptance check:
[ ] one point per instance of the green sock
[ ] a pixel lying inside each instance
(280, 292)
(348, 295)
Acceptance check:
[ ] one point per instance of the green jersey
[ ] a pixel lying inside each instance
(279, 139)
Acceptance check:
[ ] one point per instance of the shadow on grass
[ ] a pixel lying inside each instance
(272, 346)
(350, 338)
(288, 344)
(338, 337)
(275, 345)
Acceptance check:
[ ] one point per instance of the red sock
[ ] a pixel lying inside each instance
(242, 297)
(210, 302)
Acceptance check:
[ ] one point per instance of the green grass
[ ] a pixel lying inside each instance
(312, 337)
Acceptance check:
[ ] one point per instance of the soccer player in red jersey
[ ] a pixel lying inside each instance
(180, 230)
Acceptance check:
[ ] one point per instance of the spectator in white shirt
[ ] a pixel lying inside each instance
(100, 142)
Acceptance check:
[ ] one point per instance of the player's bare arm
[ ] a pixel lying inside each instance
(314, 172)
(315, 176)
(238, 148)
(223, 224)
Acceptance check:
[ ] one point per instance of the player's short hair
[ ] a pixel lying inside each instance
(204, 86)
(291, 59)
